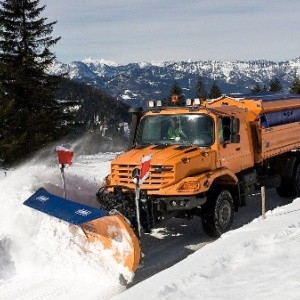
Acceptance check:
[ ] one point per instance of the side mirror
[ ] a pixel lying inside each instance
(235, 138)
(230, 130)
(235, 126)
(136, 114)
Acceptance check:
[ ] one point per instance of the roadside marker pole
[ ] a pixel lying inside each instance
(62, 173)
(137, 205)
(64, 157)
(263, 202)
(138, 177)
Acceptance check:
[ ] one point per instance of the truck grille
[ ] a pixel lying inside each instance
(160, 176)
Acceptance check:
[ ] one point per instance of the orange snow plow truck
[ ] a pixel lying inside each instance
(204, 159)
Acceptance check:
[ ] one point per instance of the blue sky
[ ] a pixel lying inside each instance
(159, 30)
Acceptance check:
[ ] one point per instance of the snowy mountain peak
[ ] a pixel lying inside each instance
(101, 61)
(144, 80)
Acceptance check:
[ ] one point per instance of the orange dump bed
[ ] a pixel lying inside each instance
(257, 106)
(274, 121)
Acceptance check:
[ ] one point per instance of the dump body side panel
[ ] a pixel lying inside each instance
(277, 140)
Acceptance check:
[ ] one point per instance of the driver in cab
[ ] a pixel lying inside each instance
(175, 131)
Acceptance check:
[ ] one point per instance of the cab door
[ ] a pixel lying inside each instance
(229, 146)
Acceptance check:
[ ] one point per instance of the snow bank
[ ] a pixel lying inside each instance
(258, 261)
(44, 258)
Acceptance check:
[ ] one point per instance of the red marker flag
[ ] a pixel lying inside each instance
(64, 155)
(145, 168)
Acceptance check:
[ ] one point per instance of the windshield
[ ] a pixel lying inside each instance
(189, 129)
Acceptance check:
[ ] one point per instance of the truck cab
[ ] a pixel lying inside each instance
(191, 147)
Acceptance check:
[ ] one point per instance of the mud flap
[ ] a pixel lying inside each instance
(110, 228)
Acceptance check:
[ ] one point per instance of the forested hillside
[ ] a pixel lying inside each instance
(100, 118)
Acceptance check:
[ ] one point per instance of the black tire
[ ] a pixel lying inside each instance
(218, 213)
(285, 189)
(290, 187)
(296, 181)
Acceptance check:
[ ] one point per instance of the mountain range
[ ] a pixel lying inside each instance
(134, 83)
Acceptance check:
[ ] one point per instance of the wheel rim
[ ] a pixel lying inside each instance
(224, 214)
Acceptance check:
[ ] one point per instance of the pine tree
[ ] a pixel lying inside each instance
(29, 115)
(256, 89)
(275, 85)
(176, 91)
(200, 89)
(264, 89)
(295, 84)
(215, 91)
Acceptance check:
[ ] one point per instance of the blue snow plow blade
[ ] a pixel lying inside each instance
(67, 210)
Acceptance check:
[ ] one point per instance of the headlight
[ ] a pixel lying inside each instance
(190, 185)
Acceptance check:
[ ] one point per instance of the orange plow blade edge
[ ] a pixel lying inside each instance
(111, 229)
(115, 234)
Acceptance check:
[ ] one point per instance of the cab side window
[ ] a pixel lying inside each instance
(224, 129)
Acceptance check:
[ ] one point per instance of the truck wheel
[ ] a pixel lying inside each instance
(285, 188)
(296, 181)
(290, 187)
(218, 212)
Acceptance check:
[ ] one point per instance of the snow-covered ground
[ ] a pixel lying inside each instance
(41, 258)
(258, 261)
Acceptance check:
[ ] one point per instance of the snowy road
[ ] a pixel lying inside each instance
(180, 238)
